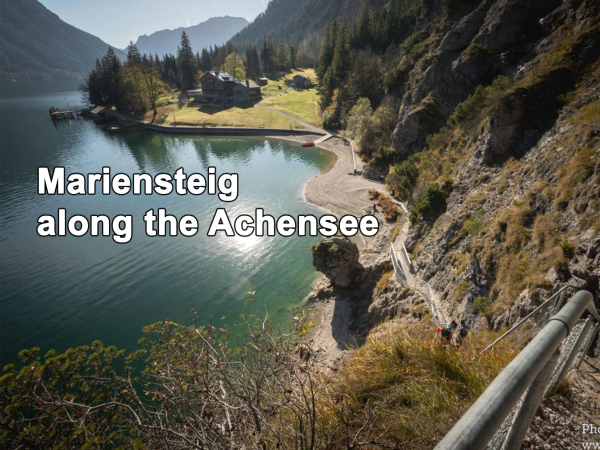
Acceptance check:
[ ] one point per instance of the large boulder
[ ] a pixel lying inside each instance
(337, 258)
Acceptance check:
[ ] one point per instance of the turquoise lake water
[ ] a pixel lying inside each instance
(59, 292)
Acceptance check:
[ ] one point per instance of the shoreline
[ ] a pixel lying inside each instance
(339, 192)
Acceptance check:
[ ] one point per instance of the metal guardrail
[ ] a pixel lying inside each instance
(533, 372)
(539, 315)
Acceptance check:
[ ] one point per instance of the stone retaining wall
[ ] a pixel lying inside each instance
(201, 131)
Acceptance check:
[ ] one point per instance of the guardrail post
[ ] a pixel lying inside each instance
(533, 398)
(571, 356)
(588, 345)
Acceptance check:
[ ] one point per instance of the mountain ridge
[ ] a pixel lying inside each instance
(36, 43)
(216, 30)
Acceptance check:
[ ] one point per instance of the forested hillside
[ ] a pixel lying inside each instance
(216, 30)
(36, 43)
(294, 21)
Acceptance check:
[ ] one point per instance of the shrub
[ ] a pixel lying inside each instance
(384, 157)
(387, 205)
(402, 178)
(474, 223)
(358, 119)
(478, 103)
(432, 203)
(378, 131)
(440, 139)
(479, 53)
(482, 303)
(191, 381)
(411, 50)
(199, 380)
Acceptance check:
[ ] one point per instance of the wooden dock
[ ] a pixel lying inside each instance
(59, 114)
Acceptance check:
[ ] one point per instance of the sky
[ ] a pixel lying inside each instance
(118, 22)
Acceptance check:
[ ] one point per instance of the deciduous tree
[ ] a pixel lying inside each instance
(234, 66)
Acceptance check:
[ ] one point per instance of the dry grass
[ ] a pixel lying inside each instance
(461, 291)
(580, 168)
(460, 262)
(518, 251)
(407, 390)
(383, 283)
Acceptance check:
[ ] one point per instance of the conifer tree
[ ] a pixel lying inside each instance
(187, 64)
(267, 56)
(362, 30)
(111, 77)
(205, 61)
(293, 54)
(283, 58)
(327, 50)
(252, 62)
(341, 53)
(133, 55)
(158, 63)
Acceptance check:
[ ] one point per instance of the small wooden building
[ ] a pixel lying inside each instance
(302, 82)
(102, 114)
(263, 81)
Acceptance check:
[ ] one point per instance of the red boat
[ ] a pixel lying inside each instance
(308, 144)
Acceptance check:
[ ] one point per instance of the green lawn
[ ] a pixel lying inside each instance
(234, 116)
(299, 103)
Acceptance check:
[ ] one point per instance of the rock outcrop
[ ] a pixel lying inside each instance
(496, 38)
(337, 258)
(523, 218)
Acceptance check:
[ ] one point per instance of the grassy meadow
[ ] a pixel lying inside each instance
(301, 104)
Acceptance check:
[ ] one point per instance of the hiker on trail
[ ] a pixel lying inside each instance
(462, 333)
(446, 332)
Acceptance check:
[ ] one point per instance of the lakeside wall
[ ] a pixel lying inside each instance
(229, 131)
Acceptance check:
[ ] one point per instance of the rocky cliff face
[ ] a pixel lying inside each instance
(521, 154)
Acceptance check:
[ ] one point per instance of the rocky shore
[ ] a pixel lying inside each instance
(346, 301)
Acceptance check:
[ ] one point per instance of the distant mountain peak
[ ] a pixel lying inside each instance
(216, 30)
